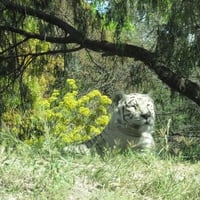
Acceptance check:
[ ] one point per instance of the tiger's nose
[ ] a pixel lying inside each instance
(146, 115)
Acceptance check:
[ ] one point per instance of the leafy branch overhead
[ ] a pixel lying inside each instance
(71, 35)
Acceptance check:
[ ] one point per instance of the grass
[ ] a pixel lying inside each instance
(46, 172)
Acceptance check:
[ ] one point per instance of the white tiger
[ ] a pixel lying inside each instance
(131, 125)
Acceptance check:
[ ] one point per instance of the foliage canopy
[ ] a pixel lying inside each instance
(47, 42)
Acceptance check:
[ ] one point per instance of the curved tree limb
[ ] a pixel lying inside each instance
(76, 35)
(43, 53)
(42, 37)
(182, 85)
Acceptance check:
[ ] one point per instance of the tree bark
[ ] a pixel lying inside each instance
(182, 85)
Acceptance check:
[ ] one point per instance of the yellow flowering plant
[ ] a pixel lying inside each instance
(69, 117)
(76, 118)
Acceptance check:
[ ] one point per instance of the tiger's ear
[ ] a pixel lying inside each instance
(117, 97)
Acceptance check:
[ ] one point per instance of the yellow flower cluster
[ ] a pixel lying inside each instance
(105, 100)
(102, 120)
(95, 130)
(84, 111)
(71, 83)
(69, 116)
(70, 101)
(80, 117)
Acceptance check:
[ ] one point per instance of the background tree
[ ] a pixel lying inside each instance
(110, 45)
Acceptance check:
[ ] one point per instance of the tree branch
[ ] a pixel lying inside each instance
(43, 53)
(41, 37)
(173, 80)
(13, 46)
(76, 35)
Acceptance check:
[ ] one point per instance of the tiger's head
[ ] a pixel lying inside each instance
(135, 111)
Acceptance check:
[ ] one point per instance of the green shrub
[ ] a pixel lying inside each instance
(68, 117)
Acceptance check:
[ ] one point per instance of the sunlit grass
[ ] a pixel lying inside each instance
(46, 172)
